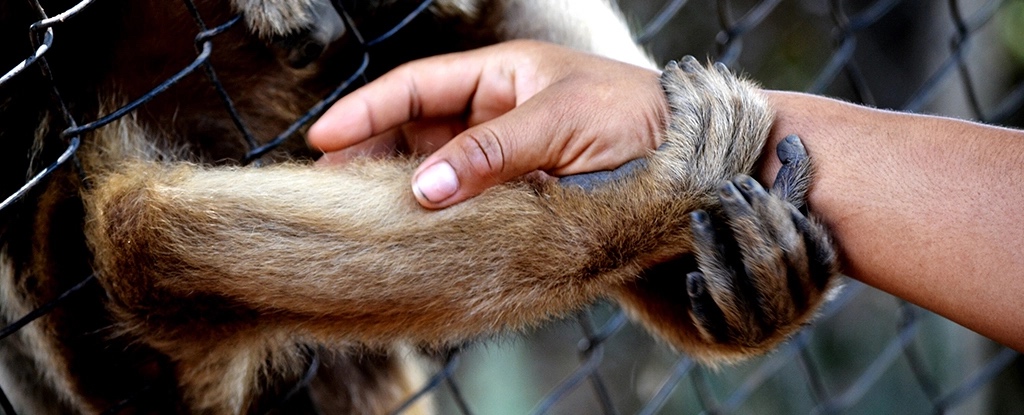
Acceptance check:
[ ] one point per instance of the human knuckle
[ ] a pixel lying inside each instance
(484, 150)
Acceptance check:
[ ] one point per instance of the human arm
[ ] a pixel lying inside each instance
(922, 207)
(925, 208)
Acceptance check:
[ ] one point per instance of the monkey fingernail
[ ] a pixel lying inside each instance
(436, 183)
(791, 149)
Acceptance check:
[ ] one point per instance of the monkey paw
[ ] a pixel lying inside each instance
(301, 28)
(764, 267)
(759, 271)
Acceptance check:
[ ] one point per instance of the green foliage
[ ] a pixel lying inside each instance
(1011, 28)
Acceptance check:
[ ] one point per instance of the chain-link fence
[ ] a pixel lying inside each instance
(867, 353)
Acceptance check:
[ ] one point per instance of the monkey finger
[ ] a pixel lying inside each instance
(780, 237)
(822, 261)
(793, 178)
(690, 64)
(772, 216)
(733, 296)
(752, 222)
(594, 180)
(706, 315)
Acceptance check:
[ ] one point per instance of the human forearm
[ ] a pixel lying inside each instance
(922, 207)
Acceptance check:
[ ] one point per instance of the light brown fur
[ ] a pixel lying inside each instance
(218, 284)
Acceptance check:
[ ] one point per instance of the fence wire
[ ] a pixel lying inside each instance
(840, 48)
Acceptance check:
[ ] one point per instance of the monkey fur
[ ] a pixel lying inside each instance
(219, 285)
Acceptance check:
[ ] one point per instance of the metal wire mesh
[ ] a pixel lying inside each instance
(839, 48)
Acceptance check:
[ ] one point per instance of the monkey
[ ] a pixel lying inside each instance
(206, 297)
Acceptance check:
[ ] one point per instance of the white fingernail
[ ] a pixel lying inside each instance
(437, 182)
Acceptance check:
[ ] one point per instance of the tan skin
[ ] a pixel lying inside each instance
(925, 208)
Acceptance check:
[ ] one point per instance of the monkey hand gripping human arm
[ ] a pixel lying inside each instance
(347, 254)
(758, 268)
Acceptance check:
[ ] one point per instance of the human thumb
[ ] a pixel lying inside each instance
(478, 158)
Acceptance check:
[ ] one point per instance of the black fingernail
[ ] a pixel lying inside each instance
(743, 181)
(790, 149)
(699, 216)
(728, 191)
(750, 185)
(689, 64)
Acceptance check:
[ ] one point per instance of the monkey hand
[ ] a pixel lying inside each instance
(758, 268)
(759, 272)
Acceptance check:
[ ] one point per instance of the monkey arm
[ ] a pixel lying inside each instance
(348, 253)
(347, 249)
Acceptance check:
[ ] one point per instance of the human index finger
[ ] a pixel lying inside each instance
(440, 86)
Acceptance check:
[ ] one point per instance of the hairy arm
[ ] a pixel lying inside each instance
(348, 249)
(347, 253)
(925, 208)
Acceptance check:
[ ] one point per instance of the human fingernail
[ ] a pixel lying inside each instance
(436, 183)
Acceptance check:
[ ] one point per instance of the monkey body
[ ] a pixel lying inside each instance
(219, 285)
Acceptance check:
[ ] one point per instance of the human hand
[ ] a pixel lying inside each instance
(497, 113)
